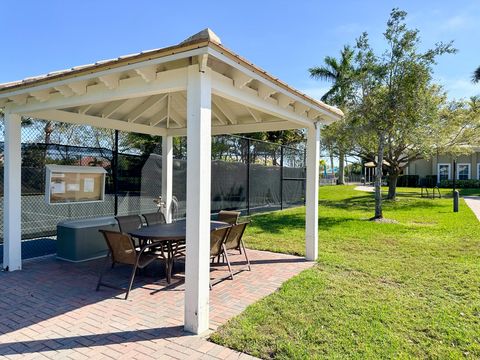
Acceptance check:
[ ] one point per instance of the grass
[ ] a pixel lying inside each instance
(379, 290)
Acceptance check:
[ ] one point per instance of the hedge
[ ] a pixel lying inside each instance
(462, 184)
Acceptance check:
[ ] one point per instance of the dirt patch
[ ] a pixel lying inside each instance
(385, 221)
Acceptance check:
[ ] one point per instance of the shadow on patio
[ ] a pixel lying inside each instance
(52, 307)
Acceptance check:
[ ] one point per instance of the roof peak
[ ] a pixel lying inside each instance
(205, 34)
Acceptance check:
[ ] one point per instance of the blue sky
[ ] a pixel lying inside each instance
(283, 37)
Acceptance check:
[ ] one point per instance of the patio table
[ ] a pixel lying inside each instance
(171, 235)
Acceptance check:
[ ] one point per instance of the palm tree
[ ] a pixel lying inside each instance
(476, 75)
(339, 72)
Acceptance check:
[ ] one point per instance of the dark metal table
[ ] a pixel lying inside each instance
(172, 237)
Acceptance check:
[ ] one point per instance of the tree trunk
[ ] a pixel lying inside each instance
(331, 165)
(392, 185)
(48, 131)
(378, 177)
(341, 168)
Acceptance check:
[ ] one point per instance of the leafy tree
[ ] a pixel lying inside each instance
(339, 72)
(396, 106)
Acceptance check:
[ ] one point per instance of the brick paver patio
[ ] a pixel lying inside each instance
(50, 310)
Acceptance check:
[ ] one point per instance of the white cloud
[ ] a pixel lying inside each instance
(457, 22)
(349, 29)
(458, 88)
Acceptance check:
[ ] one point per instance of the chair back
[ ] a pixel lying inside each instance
(217, 238)
(174, 208)
(235, 236)
(121, 247)
(128, 223)
(154, 218)
(230, 217)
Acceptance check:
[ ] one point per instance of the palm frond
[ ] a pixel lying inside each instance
(329, 96)
(322, 73)
(476, 75)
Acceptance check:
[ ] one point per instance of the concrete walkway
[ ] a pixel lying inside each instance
(473, 203)
(367, 188)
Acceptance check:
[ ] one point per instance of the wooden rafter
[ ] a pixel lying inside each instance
(219, 115)
(83, 109)
(177, 118)
(146, 105)
(108, 110)
(220, 104)
(255, 114)
(159, 117)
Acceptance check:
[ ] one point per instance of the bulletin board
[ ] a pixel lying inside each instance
(74, 184)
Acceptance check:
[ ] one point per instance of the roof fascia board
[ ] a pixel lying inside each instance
(48, 83)
(223, 87)
(236, 63)
(169, 81)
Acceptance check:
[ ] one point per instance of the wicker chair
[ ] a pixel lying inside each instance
(122, 251)
(230, 217)
(217, 248)
(234, 241)
(154, 218)
(128, 223)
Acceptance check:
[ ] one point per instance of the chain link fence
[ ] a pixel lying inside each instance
(247, 175)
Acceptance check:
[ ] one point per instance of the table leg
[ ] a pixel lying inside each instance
(169, 264)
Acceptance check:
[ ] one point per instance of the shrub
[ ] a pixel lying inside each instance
(461, 184)
(408, 180)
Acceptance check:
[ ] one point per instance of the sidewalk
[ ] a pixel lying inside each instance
(473, 203)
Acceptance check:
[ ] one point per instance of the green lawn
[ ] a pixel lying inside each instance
(404, 290)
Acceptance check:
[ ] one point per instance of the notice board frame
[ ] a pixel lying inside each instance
(80, 185)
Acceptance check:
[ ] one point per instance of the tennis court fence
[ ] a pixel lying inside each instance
(248, 175)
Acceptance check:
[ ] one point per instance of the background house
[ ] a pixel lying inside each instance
(441, 166)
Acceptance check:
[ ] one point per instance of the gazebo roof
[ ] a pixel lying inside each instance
(65, 94)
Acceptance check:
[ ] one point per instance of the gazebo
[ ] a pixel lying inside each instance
(197, 89)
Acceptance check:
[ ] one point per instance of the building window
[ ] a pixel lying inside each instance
(463, 171)
(443, 172)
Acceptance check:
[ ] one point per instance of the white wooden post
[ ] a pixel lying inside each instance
(12, 190)
(197, 266)
(167, 175)
(311, 200)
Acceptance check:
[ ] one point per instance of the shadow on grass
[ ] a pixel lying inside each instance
(367, 203)
(278, 224)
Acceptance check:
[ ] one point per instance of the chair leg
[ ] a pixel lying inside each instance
(102, 271)
(132, 277)
(245, 253)
(228, 261)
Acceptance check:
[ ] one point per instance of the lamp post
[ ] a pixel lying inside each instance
(454, 173)
(455, 192)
